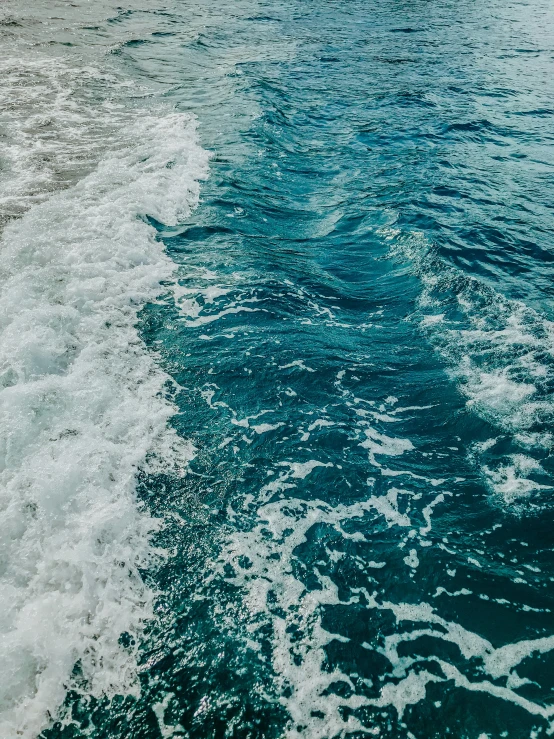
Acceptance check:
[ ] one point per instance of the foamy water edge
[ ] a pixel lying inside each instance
(83, 408)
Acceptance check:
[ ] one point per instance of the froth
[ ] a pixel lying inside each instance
(82, 408)
(266, 563)
(498, 350)
(55, 126)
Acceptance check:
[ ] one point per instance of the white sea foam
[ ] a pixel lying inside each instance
(263, 562)
(381, 444)
(82, 409)
(297, 363)
(499, 351)
(512, 480)
(53, 133)
(263, 428)
(271, 559)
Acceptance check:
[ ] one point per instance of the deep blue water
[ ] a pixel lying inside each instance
(362, 354)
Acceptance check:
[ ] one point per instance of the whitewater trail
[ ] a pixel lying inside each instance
(82, 408)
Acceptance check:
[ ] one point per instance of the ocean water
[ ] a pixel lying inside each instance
(277, 366)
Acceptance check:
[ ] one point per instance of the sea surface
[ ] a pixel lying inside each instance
(276, 369)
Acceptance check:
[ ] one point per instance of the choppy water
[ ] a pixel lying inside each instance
(277, 360)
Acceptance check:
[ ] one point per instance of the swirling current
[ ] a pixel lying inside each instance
(277, 368)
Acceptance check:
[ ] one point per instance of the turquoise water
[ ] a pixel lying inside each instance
(310, 491)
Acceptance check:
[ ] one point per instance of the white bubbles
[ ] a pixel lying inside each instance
(82, 408)
(512, 480)
(500, 353)
(381, 444)
(265, 563)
